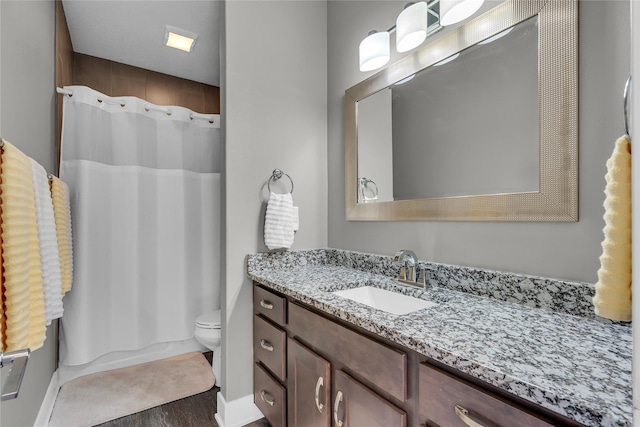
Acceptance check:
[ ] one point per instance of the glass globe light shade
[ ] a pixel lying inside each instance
(374, 51)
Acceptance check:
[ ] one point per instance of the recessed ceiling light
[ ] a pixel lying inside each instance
(179, 38)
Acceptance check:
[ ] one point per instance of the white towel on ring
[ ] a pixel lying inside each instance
(280, 222)
(48, 242)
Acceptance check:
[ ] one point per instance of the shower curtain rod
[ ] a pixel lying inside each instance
(64, 91)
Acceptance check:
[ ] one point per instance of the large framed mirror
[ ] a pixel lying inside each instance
(479, 125)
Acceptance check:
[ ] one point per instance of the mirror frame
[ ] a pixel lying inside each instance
(557, 197)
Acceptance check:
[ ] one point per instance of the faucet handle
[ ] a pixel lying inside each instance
(410, 270)
(422, 271)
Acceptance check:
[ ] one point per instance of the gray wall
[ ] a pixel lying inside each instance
(559, 250)
(274, 110)
(27, 92)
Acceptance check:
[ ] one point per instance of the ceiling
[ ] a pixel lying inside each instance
(132, 32)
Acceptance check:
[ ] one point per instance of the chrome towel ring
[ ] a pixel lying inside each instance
(275, 176)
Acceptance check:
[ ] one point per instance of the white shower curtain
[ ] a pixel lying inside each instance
(145, 203)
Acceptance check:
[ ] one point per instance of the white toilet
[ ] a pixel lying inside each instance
(207, 332)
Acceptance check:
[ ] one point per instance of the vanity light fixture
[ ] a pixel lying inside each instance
(453, 11)
(374, 50)
(414, 24)
(180, 39)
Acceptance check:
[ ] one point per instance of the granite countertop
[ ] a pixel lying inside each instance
(575, 366)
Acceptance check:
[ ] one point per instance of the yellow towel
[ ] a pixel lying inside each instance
(60, 213)
(613, 290)
(24, 321)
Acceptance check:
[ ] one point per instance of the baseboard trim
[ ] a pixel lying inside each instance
(238, 412)
(46, 408)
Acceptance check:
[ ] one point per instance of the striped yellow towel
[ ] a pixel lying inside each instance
(24, 312)
(613, 290)
(62, 214)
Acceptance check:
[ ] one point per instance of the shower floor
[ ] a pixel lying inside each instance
(194, 411)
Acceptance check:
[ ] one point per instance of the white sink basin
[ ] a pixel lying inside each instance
(381, 299)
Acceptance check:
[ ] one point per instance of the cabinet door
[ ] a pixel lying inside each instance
(354, 405)
(309, 383)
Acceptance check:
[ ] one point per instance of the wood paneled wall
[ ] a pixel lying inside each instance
(115, 79)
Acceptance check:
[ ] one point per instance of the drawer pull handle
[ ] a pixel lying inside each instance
(266, 304)
(266, 345)
(468, 419)
(319, 384)
(336, 406)
(267, 398)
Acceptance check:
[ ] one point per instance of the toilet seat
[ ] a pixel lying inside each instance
(210, 320)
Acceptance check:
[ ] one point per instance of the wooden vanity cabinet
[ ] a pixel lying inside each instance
(315, 371)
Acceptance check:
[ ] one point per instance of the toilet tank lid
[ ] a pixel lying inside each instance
(209, 320)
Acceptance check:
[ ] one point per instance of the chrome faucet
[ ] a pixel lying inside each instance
(408, 269)
(412, 273)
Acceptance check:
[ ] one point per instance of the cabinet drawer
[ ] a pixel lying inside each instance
(269, 396)
(270, 305)
(270, 346)
(370, 360)
(357, 406)
(444, 399)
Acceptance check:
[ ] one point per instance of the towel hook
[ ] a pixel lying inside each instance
(276, 175)
(626, 106)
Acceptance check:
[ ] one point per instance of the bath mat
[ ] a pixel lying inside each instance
(105, 396)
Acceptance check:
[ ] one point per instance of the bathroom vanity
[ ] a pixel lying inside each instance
(324, 360)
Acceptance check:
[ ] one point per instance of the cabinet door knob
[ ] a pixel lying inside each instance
(336, 406)
(266, 345)
(267, 398)
(266, 304)
(319, 384)
(471, 420)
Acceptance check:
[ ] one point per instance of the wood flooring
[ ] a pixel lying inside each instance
(194, 411)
